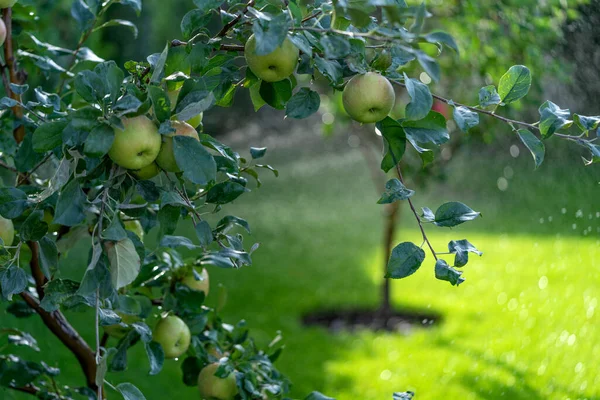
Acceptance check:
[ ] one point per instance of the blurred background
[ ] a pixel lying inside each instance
(525, 324)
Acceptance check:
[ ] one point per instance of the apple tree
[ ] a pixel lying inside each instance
(107, 154)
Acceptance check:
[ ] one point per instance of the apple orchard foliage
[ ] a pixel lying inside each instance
(68, 157)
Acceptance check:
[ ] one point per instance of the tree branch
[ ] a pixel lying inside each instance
(491, 114)
(29, 389)
(62, 329)
(237, 19)
(9, 58)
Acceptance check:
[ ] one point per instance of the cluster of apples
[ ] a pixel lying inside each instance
(172, 333)
(367, 98)
(140, 148)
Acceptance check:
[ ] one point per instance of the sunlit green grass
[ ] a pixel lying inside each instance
(525, 324)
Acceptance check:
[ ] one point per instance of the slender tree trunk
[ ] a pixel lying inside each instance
(391, 225)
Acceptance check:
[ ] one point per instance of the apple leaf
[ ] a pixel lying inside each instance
(464, 118)
(453, 214)
(394, 143)
(405, 260)
(515, 84)
(99, 141)
(303, 104)
(70, 208)
(535, 146)
(13, 202)
(444, 272)
(130, 392)
(197, 164)
(421, 97)
(395, 191)
(124, 262)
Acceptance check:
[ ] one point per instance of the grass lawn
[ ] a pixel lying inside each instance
(525, 324)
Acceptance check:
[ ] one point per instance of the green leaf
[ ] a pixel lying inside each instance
(465, 118)
(453, 214)
(225, 192)
(197, 164)
(111, 75)
(12, 202)
(99, 141)
(177, 241)
(331, 69)
(90, 86)
(461, 249)
(119, 22)
(130, 392)
(48, 254)
(553, 119)
(56, 292)
(84, 13)
(193, 103)
(515, 84)
(270, 32)
(48, 136)
(395, 191)
(405, 260)
(430, 65)
(26, 157)
(318, 396)
(444, 272)
(70, 208)
(430, 130)
(160, 103)
(204, 233)
(257, 152)
(421, 97)
(19, 338)
(193, 21)
(442, 38)
(159, 66)
(335, 46)
(156, 357)
(128, 104)
(34, 228)
(230, 221)
(13, 280)
(586, 123)
(488, 96)
(276, 94)
(168, 217)
(535, 146)
(124, 262)
(395, 142)
(303, 104)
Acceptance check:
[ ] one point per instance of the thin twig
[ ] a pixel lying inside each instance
(416, 214)
(237, 19)
(491, 114)
(8, 167)
(308, 18)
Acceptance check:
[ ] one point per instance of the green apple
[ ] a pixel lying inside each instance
(166, 158)
(173, 335)
(137, 145)
(2, 32)
(368, 98)
(148, 172)
(136, 227)
(7, 231)
(199, 285)
(211, 387)
(7, 3)
(275, 66)
(118, 330)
